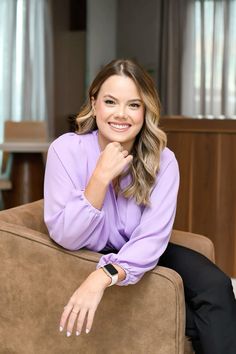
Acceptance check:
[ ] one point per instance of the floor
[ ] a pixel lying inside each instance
(234, 286)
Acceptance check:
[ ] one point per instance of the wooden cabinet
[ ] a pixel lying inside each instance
(206, 152)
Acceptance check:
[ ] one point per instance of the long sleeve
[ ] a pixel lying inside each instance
(150, 238)
(71, 220)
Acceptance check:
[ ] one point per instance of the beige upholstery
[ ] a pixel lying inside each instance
(38, 277)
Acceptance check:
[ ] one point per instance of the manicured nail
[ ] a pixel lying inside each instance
(87, 330)
(61, 329)
(68, 334)
(77, 333)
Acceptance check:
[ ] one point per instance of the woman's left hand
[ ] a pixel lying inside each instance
(84, 302)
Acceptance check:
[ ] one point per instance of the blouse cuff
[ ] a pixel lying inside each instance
(111, 258)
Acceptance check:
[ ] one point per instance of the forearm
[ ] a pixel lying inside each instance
(96, 189)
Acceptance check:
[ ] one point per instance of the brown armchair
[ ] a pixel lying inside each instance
(38, 277)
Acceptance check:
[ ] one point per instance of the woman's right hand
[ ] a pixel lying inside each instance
(112, 161)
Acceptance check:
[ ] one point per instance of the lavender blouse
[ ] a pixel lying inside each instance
(139, 234)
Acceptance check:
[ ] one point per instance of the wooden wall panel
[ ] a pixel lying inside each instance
(206, 152)
(178, 143)
(204, 186)
(227, 200)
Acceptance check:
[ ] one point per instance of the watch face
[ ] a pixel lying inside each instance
(111, 269)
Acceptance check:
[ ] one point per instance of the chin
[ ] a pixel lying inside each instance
(120, 139)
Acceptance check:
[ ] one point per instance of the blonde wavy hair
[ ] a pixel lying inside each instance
(150, 141)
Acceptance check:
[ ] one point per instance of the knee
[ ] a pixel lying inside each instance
(218, 284)
(221, 280)
(210, 279)
(216, 294)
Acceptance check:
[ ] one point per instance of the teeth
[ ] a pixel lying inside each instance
(119, 126)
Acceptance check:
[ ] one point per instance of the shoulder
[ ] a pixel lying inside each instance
(69, 139)
(168, 165)
(167, 157)
(73, 153)
(72, 143)
(73, 149)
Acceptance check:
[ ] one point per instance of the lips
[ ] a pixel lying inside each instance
(119, 126)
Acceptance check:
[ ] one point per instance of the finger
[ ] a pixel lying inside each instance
(129, 159)
(64, 316)
(125, 153)
(118, 146)
(71, 321)
(113, 145)
(80, 320)
(90, 318)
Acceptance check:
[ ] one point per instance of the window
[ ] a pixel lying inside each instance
(25, 60)
(215, 58)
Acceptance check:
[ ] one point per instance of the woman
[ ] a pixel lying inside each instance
(112, 188)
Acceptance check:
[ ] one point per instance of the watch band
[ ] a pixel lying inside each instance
(112, 272)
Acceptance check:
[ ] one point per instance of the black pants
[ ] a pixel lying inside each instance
(210, 302)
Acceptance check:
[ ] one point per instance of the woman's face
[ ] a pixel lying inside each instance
(119, 112)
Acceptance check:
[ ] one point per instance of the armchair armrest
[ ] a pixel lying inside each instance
(195, 242)
(37, 278)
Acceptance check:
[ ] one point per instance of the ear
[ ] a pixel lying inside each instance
(93, 102)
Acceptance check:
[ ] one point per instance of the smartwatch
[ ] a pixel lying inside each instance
(111, 271)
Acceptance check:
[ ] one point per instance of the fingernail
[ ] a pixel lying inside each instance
(61, 329)
(77, 333)
(68, 334)
(87, 330)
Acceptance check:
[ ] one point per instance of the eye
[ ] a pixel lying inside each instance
(135, 105)
(109, 102)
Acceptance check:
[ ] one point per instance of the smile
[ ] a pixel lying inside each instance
(119, 127)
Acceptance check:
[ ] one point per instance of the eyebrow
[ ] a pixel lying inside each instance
(132, 100)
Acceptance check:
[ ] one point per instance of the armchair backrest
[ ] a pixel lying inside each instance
(31, 216)
(196, 242)
(28, 215)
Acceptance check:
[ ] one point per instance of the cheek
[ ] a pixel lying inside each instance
(140, 117)
(101, 111)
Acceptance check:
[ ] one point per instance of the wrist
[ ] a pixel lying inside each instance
(101, 178)
(101, 277)
(96, 190)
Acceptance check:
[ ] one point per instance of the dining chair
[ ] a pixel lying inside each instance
(23, 131)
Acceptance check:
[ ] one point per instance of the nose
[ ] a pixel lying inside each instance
(121, 113)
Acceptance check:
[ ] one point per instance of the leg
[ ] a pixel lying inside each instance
(210, 302)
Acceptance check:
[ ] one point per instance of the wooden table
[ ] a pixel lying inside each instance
(27, 173)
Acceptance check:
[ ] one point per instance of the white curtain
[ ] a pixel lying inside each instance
(26, 76)
(209, 61)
